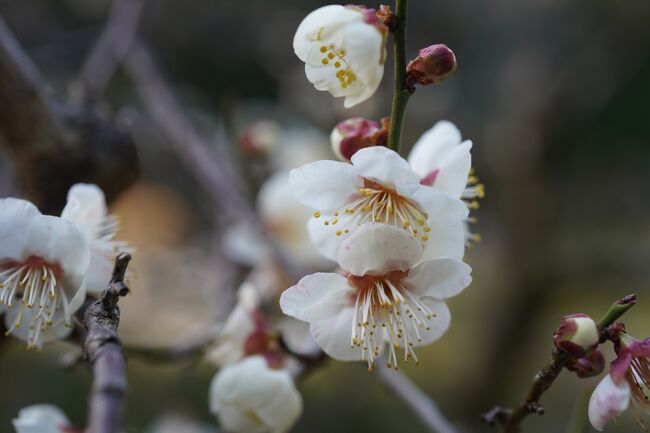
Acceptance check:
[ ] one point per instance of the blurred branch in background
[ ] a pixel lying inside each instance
(54, 144)
(103, 350)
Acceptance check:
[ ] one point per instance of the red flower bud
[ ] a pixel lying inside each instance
(354, 134)
(432, 65)
(577, 335)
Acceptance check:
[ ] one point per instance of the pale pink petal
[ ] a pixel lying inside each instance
(325, 185)
(375, 249)
(317, 296)
(383, 165)
(439, 278)
(608, 401)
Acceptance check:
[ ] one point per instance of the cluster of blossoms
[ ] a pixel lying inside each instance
(628, 378)
(48, 264)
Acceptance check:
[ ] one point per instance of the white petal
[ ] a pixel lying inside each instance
(317, 296)
(325, 185)
(446, 239)
(59, 241)
(383, 165)
(324, 20)
(334, 335)
(100, 271)
(86, 206)
(40, 418)
(438, 204)
(452, 177)
(438, 325)
(15, 217)
(324, 237)
(608, 401)
(433, 146)
(251, 397)
(375, 249)
(439, 278)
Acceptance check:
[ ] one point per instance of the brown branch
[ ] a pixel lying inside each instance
(112, 46)
(510, 419)
(103, 350)
(53, 144)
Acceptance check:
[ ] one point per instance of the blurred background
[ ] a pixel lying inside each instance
(555, 96)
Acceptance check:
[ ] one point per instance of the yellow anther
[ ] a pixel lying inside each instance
(323, 49)
(339, 233)
(316, 214)
(426, 229)
(424, 238)
(330, 55)
(337, 64)
(325, 61)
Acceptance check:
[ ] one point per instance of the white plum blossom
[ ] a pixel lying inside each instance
(344, 50)
(43, 263)
(608, 400)
(87, 208)
(384, 299)
(237, 328)
(378, 187)
(285, 220)
(41, 418)
(251, 397)
(443, 160)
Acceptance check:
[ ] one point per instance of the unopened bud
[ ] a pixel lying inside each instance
(577, 335)
(354, 134)
(260, 139)
(589, 366)
(432, 65)
(387, 17)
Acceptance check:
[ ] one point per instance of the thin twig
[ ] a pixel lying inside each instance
(510, 419)
(401, 93)
(103, 350)
(420, 403)
(113, 44)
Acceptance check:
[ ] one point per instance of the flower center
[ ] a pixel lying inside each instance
(385, 311)
(336, 57)
(34, 283)
(379, 204)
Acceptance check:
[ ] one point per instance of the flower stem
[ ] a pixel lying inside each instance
(400, 93)
(510, 419)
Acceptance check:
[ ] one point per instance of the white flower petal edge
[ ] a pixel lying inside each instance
(251, 397)
(15, 217)
(324, 185)
(383, 300)
(608, 401)
(86, 207)
(343, 51)
(441, 154)
(41, 418)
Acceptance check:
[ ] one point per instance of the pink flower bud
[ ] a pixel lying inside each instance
(577, 335)
(432, 65)
(354, 134)
(589, 366)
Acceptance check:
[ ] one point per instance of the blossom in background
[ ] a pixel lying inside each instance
(443, 160)
(344, 50)
(238, 327)
(175, 423)
(385, 298)
(43, 263)
(378, 187)
(251, 397)
(86, 207)
(42, 418)
(629, 378)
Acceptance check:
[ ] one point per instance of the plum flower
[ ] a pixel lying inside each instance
(378, 187)
(237, 328)
(86, 207)
(443, 161)
(251, 397)
(43, 263)
(42, 418)
(344, 50)
(629, 378)
(385, 298)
